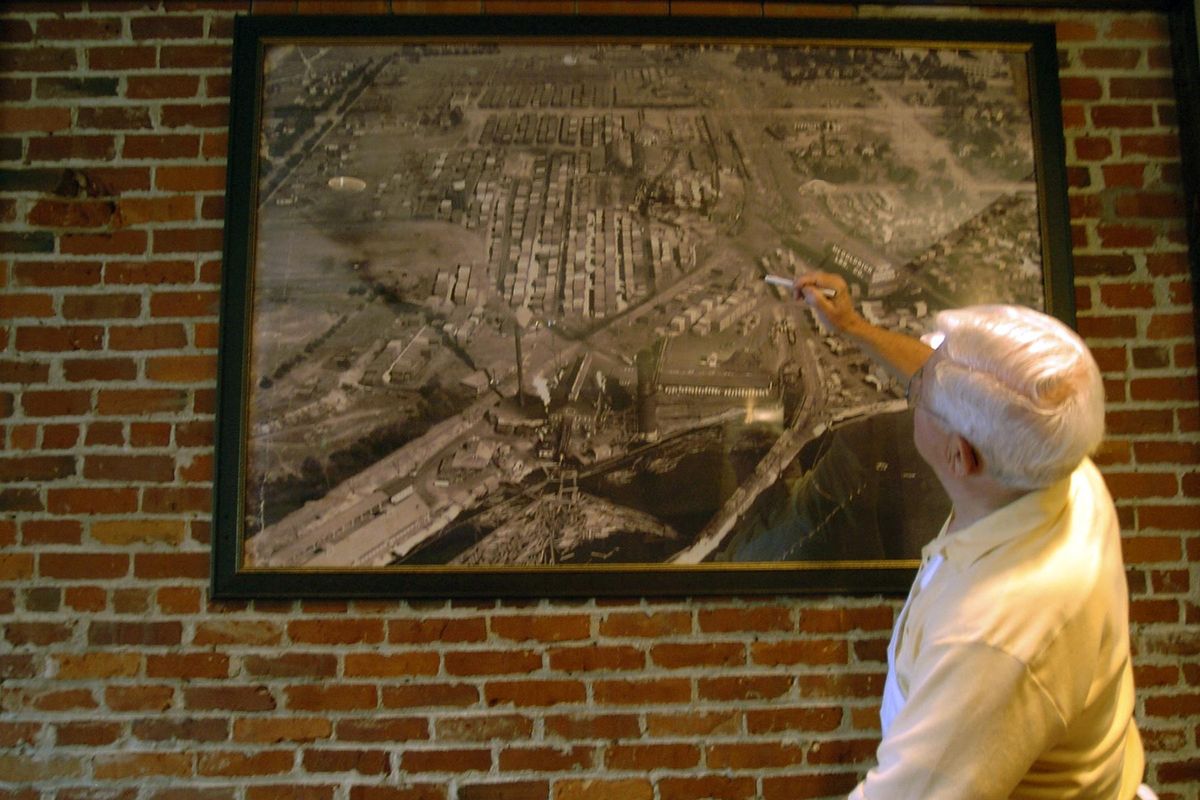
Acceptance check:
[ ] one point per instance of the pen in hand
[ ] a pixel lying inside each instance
(788, 283)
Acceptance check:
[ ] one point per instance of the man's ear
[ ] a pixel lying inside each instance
(964, 458)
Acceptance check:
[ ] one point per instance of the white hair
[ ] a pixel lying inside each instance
(1022, 388)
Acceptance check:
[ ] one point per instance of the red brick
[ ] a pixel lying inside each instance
(1110, 327)
(105, 306)
(595, 658)
(138, 698)
(841, 685)
(282, 729)
(148, 634)
(37, 634)
(363, 762)
(49, 274)
(91, 147)
(162, 336)
(167, 27)
(1164, 389)
(684, 656)
(1126, 236)
(1075, 31)
(52, 531)
(455, 761)
(382, 729)
(437, 629)
(150, 434)
(1102, 58)
(1081, 88)
(291, 665)
(474, 728)
(1124, 175)
(133, 765)
(36, 119)
(648, 757)
(1151, 549)
(546, 759)
(239, 631)
(1168, 518)
(174, 500)
(79, 370)
(1122, 116)
(152, 469)
(161, 146)
(161, 566)
(708, 787)
(381, 665)
(1143, 484)
(1150, 205)
(755, 756)
(521, 790)
(72, 28)
(195, 56)
(184, 304)
(491, 662)
(19, 469)
(122, 402)
(556, 628)
(1140, 422)
(747, 620)
(59, 339)
(70, 214)
(87, 734)
(195, 115)
(292, 791)
(229, 764)
(1074, 116)
(410, 791)
(24, 372)
(189, 729)
(66, 700)
(141, 210)
(1141, 88)
(121, 57)
(117, 243)
(646, 625)
(642, 691)
(182, 369)
(420, 695)
(534, 693)
(1153, 145)
(227, 697)
(742, 689)
(346, 631)
(593, 726)
(1139, 28)
(708, 8)
(83, 566)
(187, 240)
(837, 620)
(1092, 148)
(331, 698)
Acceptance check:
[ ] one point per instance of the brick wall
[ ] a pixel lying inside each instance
(120, 679)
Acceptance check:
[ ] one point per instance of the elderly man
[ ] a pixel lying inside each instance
(1009, 671)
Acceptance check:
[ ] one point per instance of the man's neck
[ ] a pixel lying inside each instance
(976, 498)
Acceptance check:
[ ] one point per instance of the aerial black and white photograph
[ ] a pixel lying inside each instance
(511, 308)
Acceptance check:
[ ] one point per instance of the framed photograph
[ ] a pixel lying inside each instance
(496, 319)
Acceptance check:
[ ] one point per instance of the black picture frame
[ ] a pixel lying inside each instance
(278, 138)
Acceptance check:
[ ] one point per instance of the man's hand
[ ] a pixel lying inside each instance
(836, 312)
(900, 354)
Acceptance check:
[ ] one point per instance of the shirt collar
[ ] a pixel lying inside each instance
(1001, 526)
